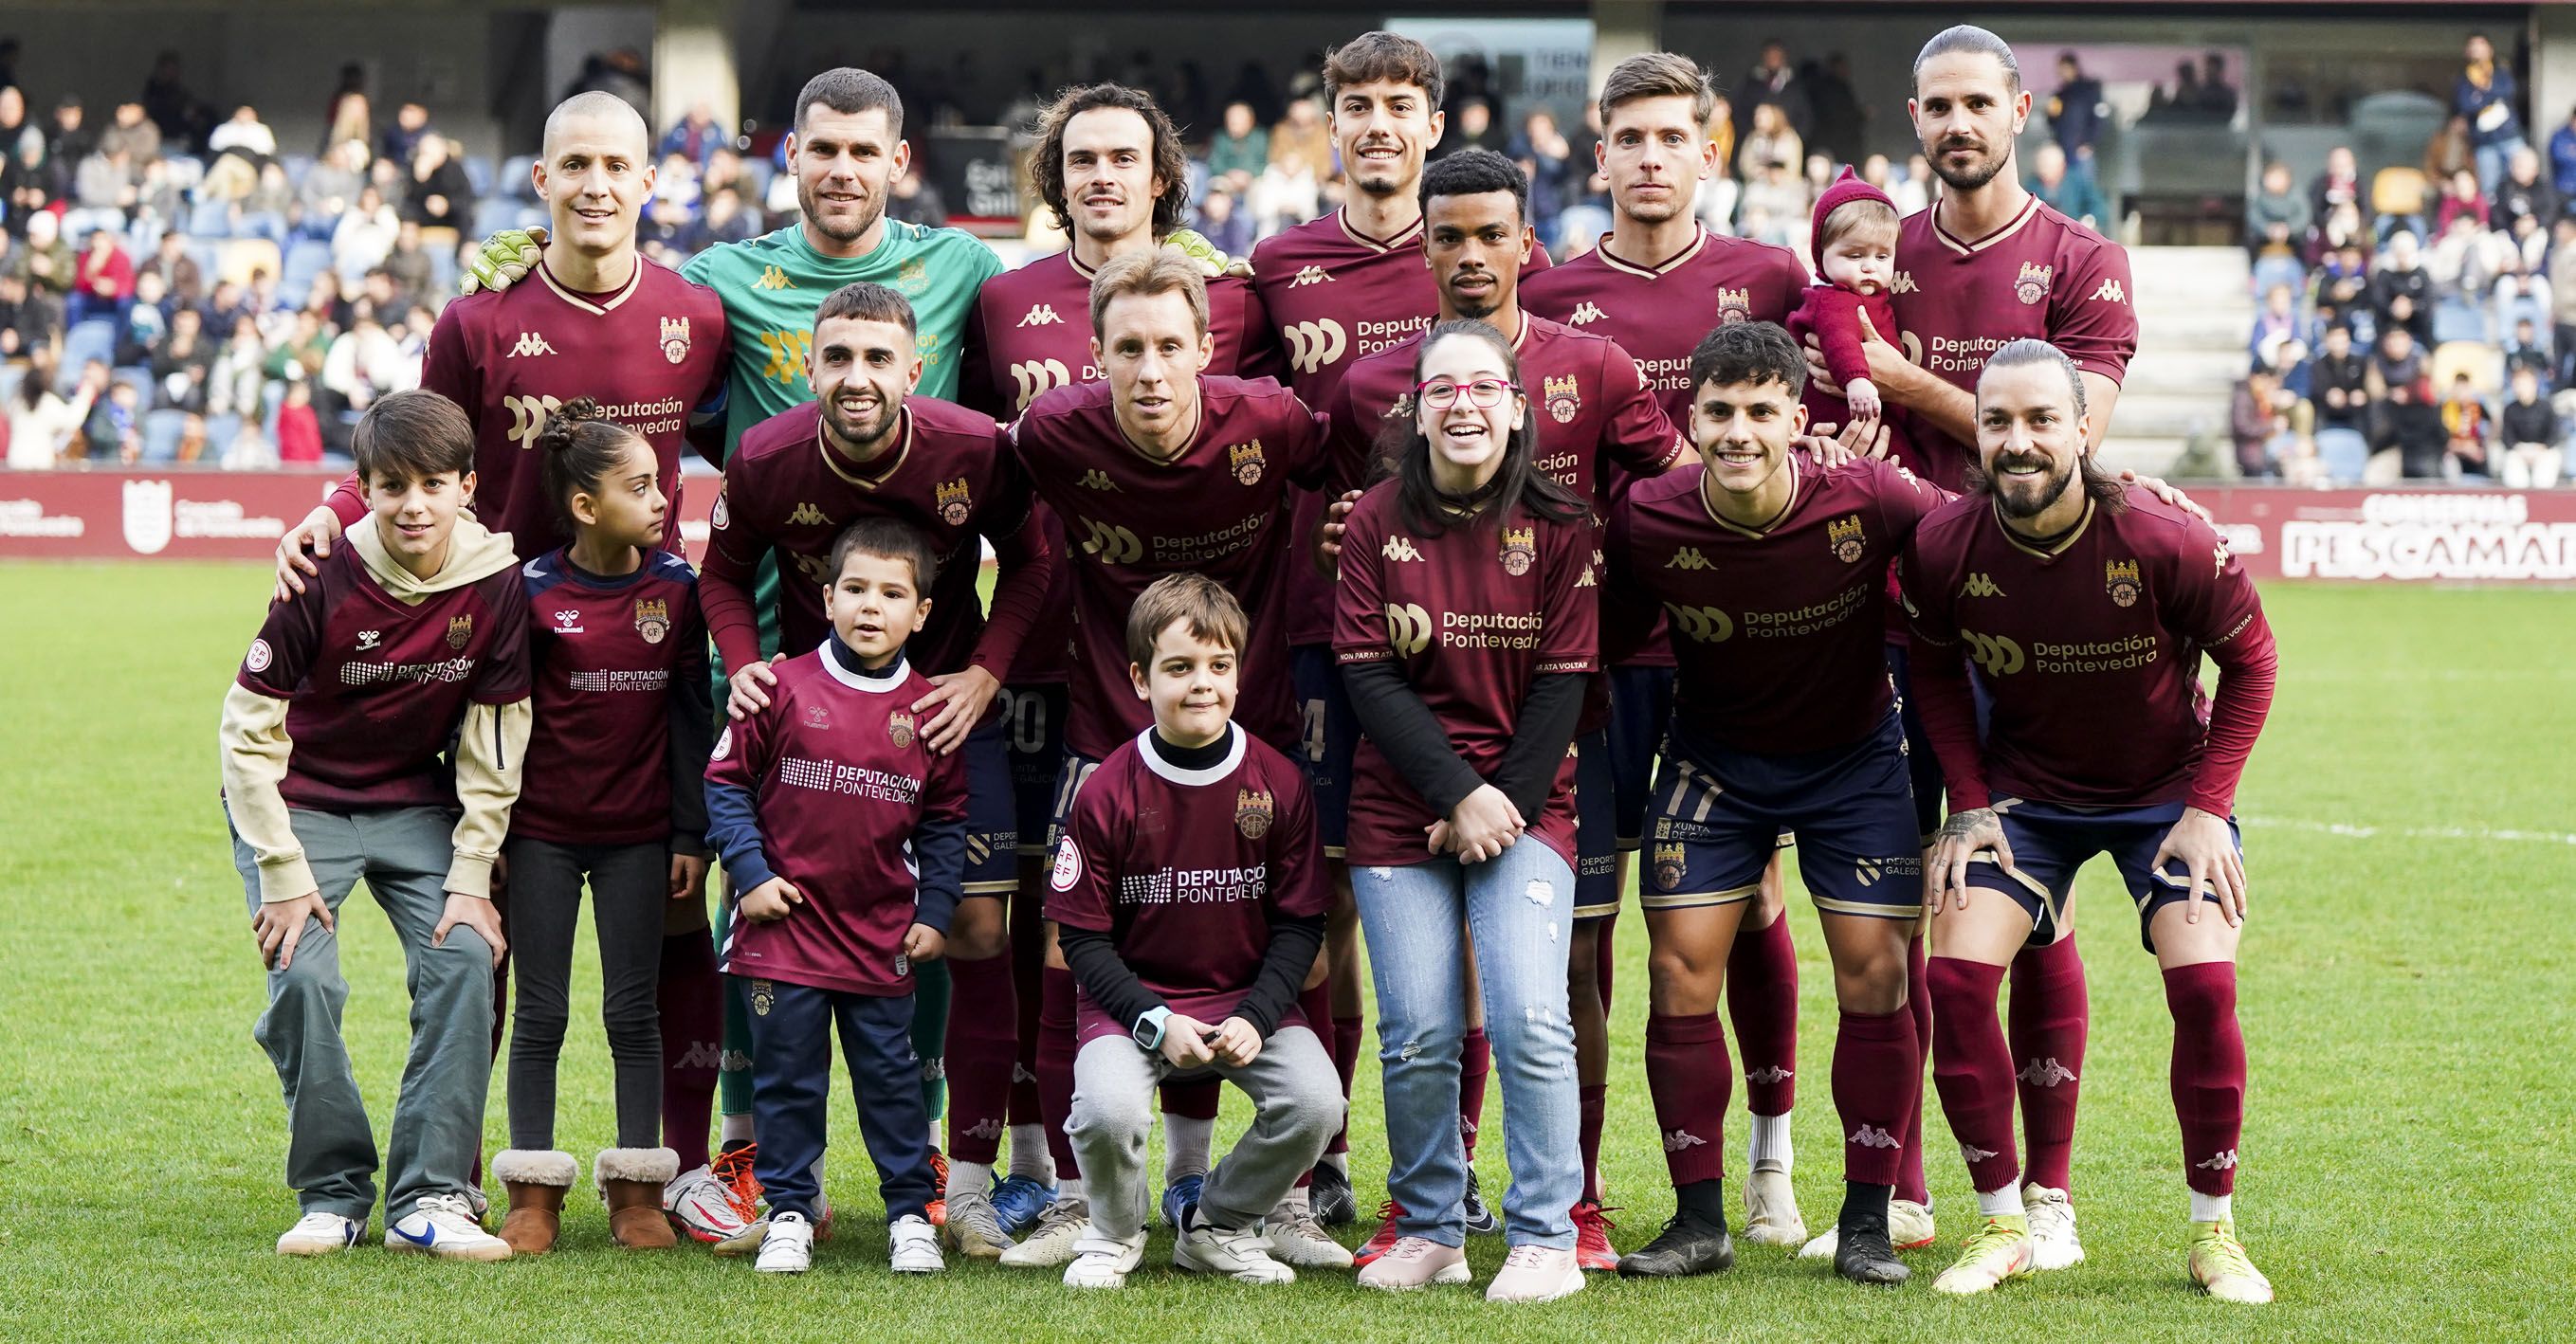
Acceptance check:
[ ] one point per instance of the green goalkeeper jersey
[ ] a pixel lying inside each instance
(772, 284)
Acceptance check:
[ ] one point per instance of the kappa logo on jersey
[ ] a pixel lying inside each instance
(1312, 345)
(369, 639)
(2120, 580)
(2032, 286)
(1688, 557)
(773, 278)
(1585, 313)
(2222, 1162)
(260, 656)
(1733, 306)
(1252, 812)
(1114, 545)
(787, 349)
(806, 515)
(2110, 291)
(1998, 655)
(1096, 479)
(1039, 315)
(459, 630)
(1563, 398)
(1675, 1140)
(1068, 866)
(568, 622)
(1708, 625)
(530, 344)
(1247, 461)
(1408, 628)
(1844, 536)
(1520, 550)
(1035, 376)
(1978, 585)
(989, 1128)
(1775, 1074)
(652, 619)
(2046, 1073)
(1399, 548)
(1669, 867)
(956, 501)
(675, 339)
(899, 729)
(1586, 579)
(1310, 275)
(528, 417)
(1975, 1154)
(1874, 1136)
(1903, 283)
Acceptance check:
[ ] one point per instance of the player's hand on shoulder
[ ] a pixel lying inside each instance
(1961, 838)
(503, 260)
(747, 690)
(319, 529)
(770, 901)
(688, 876)
(474, 912)
(2168, 492)
(1236, 1042)
(923, 943)
(280, 926)
(2205, 848)
(1184, 1042)
(1211, 262)
(961, 698)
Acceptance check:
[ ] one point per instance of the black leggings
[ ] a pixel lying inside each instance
(628, 885)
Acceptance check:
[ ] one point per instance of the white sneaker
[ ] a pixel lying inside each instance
(319, 1233)
(1101, 1262)
(1909, 1228)
(2052, 1228)
(1238, 1253)
(912, 1246)
(1298, 1238)
(788, 1247)
(444, 1226)
(1060, 1229)
(1771, 1209)
(1536, 1274)
(1414, 1263)
(699, 1205)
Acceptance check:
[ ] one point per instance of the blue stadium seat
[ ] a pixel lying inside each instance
(756, 172)
(161, 431)
(492, 214)
(93, 338)
(296, 166)
(211, 219)
(2458, 322)
(221, 430)
(2343, 453)
(514, 181)
(478, 174)
(141, 380)
(305, 259)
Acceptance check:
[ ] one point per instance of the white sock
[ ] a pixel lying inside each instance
(968, 1176)
(737, 1129)
(2212, 1208)
(1187, 1143)
(1295, 1203)
(1340, 1162)
(1069, 1191)
(2004, 1203)
(1029, 1155)
(1770, 1146)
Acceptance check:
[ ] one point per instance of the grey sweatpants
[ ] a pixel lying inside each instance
(1297, 1101)
(629, 885)
(438, 1117)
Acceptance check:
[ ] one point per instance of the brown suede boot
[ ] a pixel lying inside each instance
(631, 1181)
(537, 1180)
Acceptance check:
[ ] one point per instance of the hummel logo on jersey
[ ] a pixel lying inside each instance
(1585, 312)
(2110, 290)
(369, 639)
(806, 515)
(1400, 548)
(1775, 1074)
(1973, 1153)
(1310, 275)
(1040, 315)
(568, 621)
(1679, 1139)
(1978, 585)
(530, 343)
(1312, 345)
(2047, 1073)
(1902, 284)
(1096, 479)
(2221, 1162)
(1688, 557)
(773, 278)
(1872, 1136)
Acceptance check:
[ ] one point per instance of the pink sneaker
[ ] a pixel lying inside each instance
(1415, 1262)
(1535, 1274)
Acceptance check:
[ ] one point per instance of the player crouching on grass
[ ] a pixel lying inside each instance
(1189, 896)
(620, 756)
(846, 835)
(2085, 605)
(411, 642)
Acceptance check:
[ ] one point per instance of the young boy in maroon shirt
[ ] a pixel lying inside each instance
(376, 729)
(1190, 896)
(846, 836)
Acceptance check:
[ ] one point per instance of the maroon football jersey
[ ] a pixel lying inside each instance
(376, 687)
(840, 778)
(1658, 313)
(1185, 870)
(1473, 615)
(1220, 508)
(952, 476)
(1778, 630)
(620, 670)
(649, 354)
(2092, 654)
(2041, 275)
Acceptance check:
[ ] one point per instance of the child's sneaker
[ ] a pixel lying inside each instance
(700, 1205)
(788, 1247)
(319, 1233)
(444, 1226)
(1103, 1262)
(912, 1246)
(1239, 1254)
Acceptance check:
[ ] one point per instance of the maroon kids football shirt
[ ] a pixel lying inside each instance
(618, 751)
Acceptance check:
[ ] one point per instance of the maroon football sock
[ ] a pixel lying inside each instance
(1918, 1006)
(1475, 1061)
(1762, 1001)
(1595, 1100)
(1055, 1068)
(1346, 1061)
(1878, 1073)
(1688, 1078)
(983, 1018)
(690, 997)
(1028, 966)
(2208, 1072)
(2049, 1019)
(1973, 1068)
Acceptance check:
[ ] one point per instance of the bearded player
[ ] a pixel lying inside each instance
(1655, 284)
(2086, 607)
(599, 321)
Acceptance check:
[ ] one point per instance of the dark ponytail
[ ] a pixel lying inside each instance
(1517, 482)
(580, 446)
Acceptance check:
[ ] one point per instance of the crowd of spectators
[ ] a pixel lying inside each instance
(2420, 325)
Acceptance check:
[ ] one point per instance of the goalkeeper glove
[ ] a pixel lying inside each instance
(503, 260)
(1211, 263)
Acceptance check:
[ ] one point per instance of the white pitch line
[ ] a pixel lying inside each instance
(2410, 832)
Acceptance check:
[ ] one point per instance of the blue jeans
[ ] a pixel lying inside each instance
(1519, 909)
(2491, 161)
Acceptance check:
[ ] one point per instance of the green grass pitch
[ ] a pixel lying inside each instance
(2409, 970)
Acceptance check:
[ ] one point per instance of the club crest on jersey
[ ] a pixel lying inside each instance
(1520, 550)
(260, 656)
(899, 728)
(723, 517)
(1562, 399)
(2033, 284)
(1733, 306)
(1252, 808)
(2120, 579)
(1247, 461)
(675, 339)
(1668, 867)
(652, 619)
(1844, 536)
(764, 996)
(459, 630)
(913, 278)
(817, 717)
(955, 502)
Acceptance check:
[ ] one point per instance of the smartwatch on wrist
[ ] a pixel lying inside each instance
(1148, 1031)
